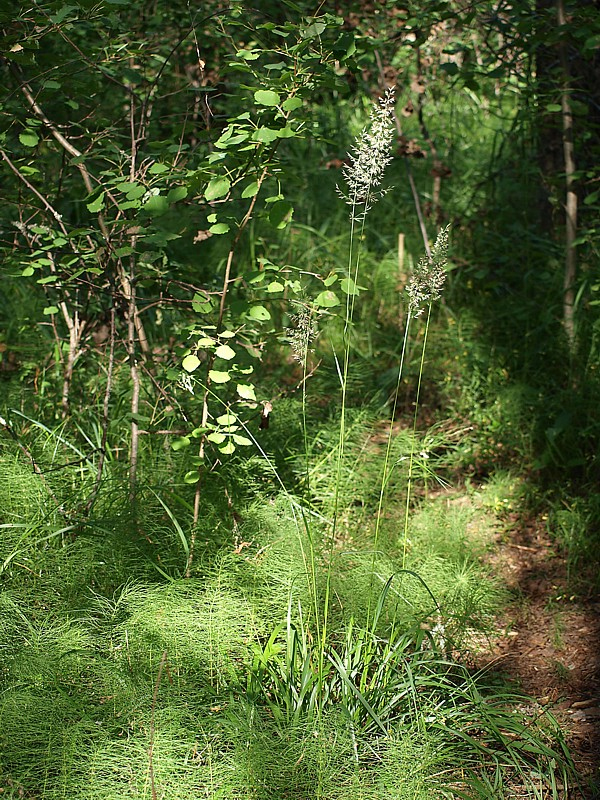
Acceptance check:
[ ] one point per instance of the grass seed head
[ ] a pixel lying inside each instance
(369, 158)
(428, 279)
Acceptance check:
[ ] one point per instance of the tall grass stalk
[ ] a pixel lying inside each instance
(370, 156)
(423, 289)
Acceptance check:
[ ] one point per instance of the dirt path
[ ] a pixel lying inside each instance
(551, 648)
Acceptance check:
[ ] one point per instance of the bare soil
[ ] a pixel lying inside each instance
(550, 645)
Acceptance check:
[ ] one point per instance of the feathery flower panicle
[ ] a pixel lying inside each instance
(369, 158)
(303, 332)
(429, 275)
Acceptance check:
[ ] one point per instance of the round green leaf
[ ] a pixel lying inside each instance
(51, 310)
(176, 194)
(191, 476)
(181, 442)
(259, 313)
(29, 138)
(228, 448)
(265, 135)
(327, 300)
(286, 133)
(227, 419)
(217, 438)
(246, 391)
(348, 286)
(291, 104)
(217, 376)
(275, 286)
(190, 363)
(216, 188)
(241, 440)
(95, 206)
(265, 97)
(280, 214)
(219, 228)
(224, 351)
(251, 190)
(156, 205)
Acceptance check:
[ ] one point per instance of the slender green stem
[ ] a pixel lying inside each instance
(353, 269)
(412, 443)
(385, 475)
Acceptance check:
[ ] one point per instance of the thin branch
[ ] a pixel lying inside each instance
(105, 414)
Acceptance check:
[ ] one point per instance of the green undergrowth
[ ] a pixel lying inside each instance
(122, 679)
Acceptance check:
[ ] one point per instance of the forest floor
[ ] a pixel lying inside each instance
(550, 641)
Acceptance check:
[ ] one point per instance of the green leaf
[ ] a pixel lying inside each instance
(224, 351)
(251, 190)
(246, 391)
(327, 300)
(156, 205)
(217, 438)
(259, 313)
(217, 376)
(241, 440)
(291, 104)
(330, 280)
(95, 206)
(191, 476)
(190, 363)
(181, 442)
(281, 214)
(265, 97)
(27, 272)
(227, 419)
(201, 304)
(51, 310)
(348, 286)
(29, 138)
(316, 29)
(286, 133)
(176, 194)
(265, 135)
(450, 68)
(217, 187)
(157, 168)
(228, 448)
(248, 55)
(275, 286)
(219, 229)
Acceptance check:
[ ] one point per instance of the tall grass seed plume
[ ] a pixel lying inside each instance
(302, 332)
(369, 158)
(429, 275)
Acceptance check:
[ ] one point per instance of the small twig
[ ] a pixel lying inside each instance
(523, 547)
(105, 414)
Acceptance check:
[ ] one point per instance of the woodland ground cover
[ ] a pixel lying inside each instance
(292, 319)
